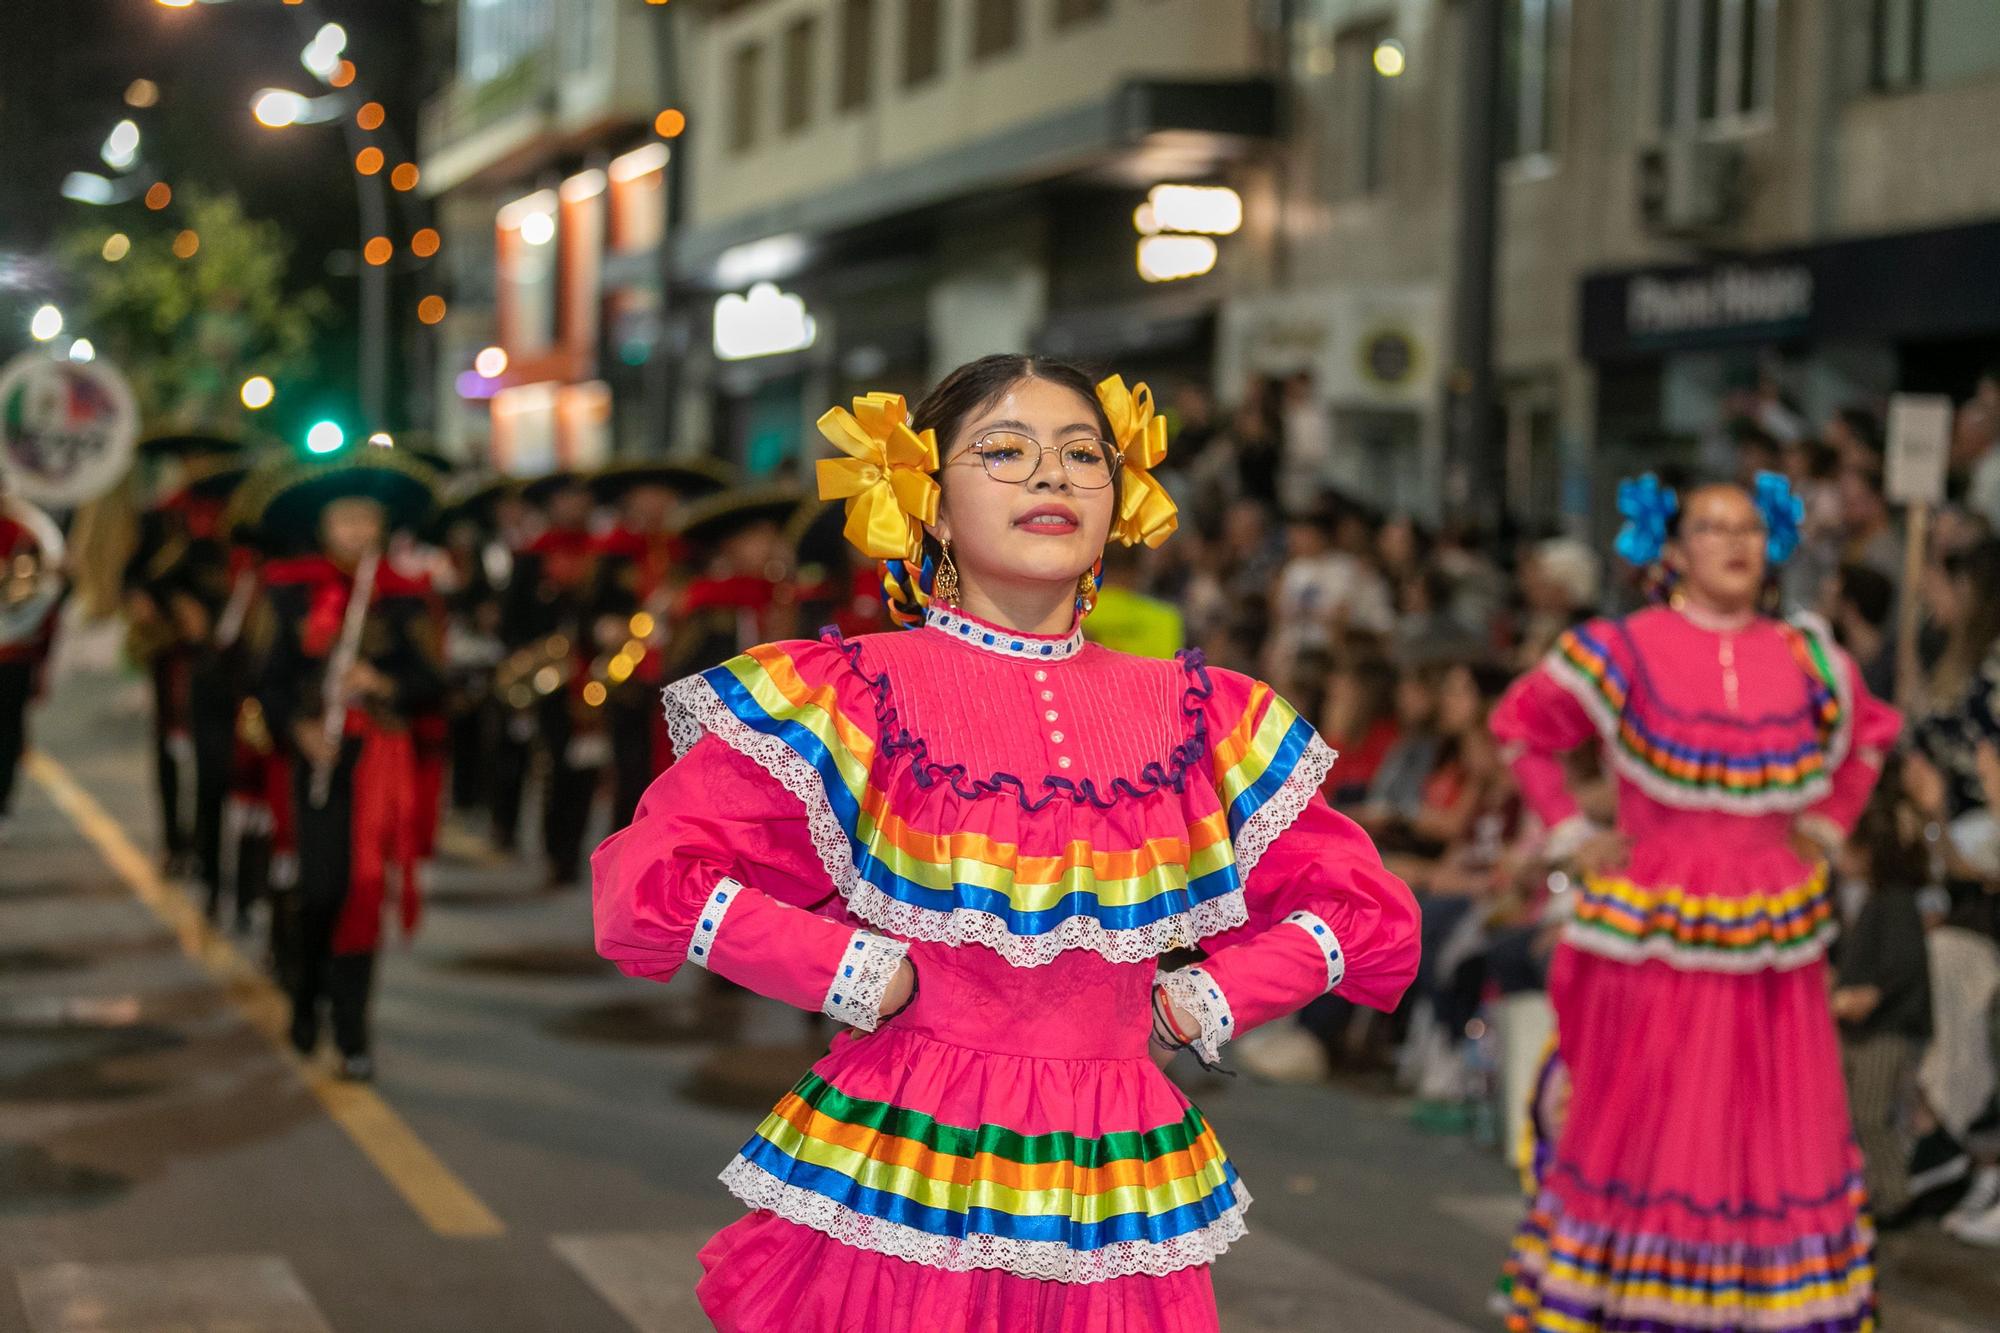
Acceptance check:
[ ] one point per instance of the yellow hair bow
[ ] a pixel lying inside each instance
(1146, 513)
(886, 477)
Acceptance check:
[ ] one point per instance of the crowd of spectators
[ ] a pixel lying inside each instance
(1397, 639)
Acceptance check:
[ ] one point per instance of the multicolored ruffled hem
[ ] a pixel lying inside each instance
(1736, 932)
(1058, 1206)
(1570, 1276)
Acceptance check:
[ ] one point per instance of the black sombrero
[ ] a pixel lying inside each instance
(818, 537)
(538, 490)
(290, 503)
(719, 516)
(691, 478)
(471, 497)
(190, 444)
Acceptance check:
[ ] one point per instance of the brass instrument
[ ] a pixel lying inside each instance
(31, 572)
(609, 670)
(533, 673)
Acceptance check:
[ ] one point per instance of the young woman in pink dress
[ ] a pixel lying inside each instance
(1704, 1175)
(971, 842)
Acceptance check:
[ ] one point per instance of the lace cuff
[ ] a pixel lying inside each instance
(866, 968)
(1195, 993)
(1562, 841)
(1328, 942)
(702, 943)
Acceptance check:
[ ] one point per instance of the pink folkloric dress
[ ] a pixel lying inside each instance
(1033, 821)
(1704, 1176)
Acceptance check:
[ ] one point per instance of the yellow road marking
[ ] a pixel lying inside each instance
(444, 1202)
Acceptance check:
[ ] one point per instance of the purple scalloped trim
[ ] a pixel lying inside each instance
(892, 739)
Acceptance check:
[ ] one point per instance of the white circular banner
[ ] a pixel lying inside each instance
(67, 429)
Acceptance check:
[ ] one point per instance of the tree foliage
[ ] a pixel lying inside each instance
(187, 326)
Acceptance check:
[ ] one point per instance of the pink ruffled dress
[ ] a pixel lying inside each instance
(1032, 821)
(1703, 1175)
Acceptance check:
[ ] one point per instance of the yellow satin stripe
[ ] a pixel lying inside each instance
(964, 1195)
(1035, 1177)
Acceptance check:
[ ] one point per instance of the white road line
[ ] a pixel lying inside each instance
(220, 1294)
(1264, 1285)
(646, 1276)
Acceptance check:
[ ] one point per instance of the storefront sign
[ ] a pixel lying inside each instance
(1909, 286)
(1364, 346)
(67, 429)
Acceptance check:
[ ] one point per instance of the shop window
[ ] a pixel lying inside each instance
(1928, 43)
(746, 91)
(1080, 11)
(857, 52)
(801, 52)
(1718, 62)
(1534, 36)
(923, 26)
(996, 27)
(1362, 116)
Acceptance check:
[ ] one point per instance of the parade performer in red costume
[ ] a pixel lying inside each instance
(972, 842)
(354, 660)
(1704, 1175)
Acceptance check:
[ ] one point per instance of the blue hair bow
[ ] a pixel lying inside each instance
(1783, 513)
(1647, 507)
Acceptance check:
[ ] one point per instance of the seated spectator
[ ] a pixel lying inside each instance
(1862, 602)
(1882, 991)
(1359, 722)
(1426, 632)
(1321, 591)
(1868, 530)
(1397, 791)
(1559, 588)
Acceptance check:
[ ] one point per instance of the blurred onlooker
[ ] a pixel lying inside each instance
(1958, 1076)
(1306, 436)
(1976, 446)
(1812, 468)
(1862, 601)
(1559, 586)
(1359, 722)
(1321, 591)
(1397, 790)
(1463, 769)
(1882, 990)
(1961, 734)
(1401, 548)
(1868, 530)
(1854, 433)
(1426, 632)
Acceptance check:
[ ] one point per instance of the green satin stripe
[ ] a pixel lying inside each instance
(779, 706)
(963, 1195)
(1029, 1149)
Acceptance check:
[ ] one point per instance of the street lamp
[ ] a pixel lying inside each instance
(46, 324)
(257, 392)
(325, 437)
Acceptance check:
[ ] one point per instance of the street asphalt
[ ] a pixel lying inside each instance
(539, 1150)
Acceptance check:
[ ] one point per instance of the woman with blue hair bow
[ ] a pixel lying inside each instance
(1695, 1167)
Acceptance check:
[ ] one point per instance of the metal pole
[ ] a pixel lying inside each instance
(1477, 468)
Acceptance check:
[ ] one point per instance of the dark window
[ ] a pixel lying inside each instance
(996, 27)
(801, 57)
(1717, 61)
(1080, 11)
(923, 23)
(857, 52)
(1364, 109)
(1532, 36)
(746, 93)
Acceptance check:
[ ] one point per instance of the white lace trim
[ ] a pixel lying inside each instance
(1277, 814)
(1766, 957)
(1046, 1260)
(694, 708)
(1195, 992)
(1000, 642)
(861, 978)
(1628, 766)
(1328, 942)
(702, 943)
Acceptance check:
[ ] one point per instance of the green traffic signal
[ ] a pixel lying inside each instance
(325, 437)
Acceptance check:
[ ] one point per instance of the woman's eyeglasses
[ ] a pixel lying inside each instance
(1015, 459)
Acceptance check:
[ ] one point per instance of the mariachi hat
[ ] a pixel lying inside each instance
(721, 516)
(690, 478)
(540, 490)
(289, 511)
(471, 497)
(190, 444)
(816, 535)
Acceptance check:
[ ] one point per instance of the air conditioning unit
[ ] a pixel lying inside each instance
(1690, 186)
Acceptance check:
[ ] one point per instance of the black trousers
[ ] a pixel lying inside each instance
(571, 792)
(471, 775)
(166, 770)
(341, 981)
(214, 751)
(16, 681)
(631, 723)
(510, 756)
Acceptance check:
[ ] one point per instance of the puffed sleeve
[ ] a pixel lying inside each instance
(1323, 913)
(1541, 717)
(1873, 729)
(732, 859)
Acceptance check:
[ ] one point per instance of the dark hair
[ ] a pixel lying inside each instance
(958, 397)
(1870, 590)
(1376, 681)
(1978, 631)
(1862, 424)
(1894, 861)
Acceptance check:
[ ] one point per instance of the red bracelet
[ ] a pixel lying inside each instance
(1165, 1009)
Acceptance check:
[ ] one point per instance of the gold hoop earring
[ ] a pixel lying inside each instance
(944, 585)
